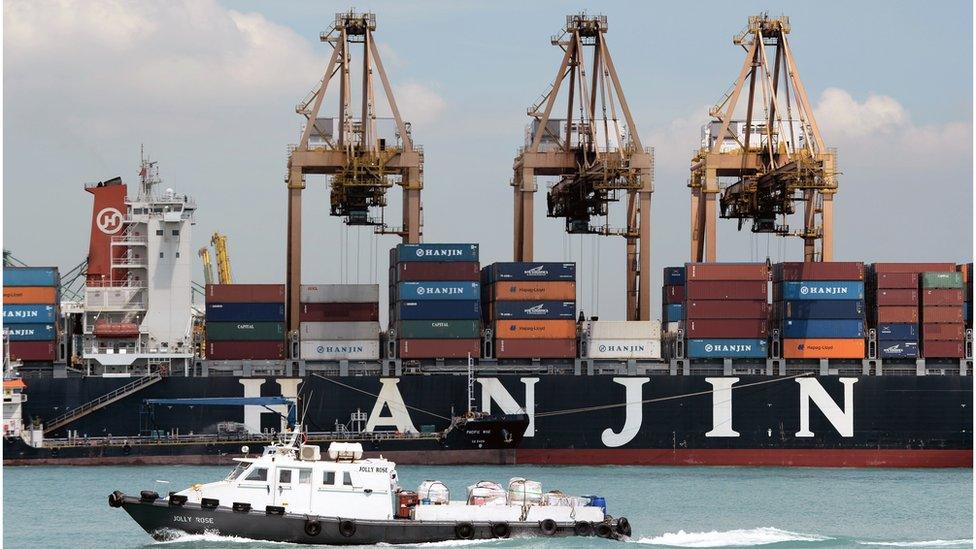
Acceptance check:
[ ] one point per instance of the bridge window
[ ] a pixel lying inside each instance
(284, 476)
(304, 476)
(259, 474)
(329, 478)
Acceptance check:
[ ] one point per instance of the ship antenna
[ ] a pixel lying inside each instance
(470, 385)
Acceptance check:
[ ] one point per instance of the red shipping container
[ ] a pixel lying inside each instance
(943, 349)
(421, 271)
(943, 332)
(729, 289)
(942, 315)
(897, 297)
(915, 268)
(738, 328)
(942, 297)
(33, 350)
(818, 270)
(726, 271)
(339, 312)
(674, 294)
(245, 350)
(965, 269)
(440, 348)
(535, 348)
(246, 293)
(897, 280)
(720, 309)
(899, 315)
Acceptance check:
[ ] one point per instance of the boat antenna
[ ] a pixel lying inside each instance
(470, 385)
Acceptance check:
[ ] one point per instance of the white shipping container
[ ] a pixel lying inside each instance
(339, 330)
(340, 293)
(363, 349)
(673, 327)
(624, 329)
(624, 348)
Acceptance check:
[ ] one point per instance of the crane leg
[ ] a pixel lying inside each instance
(696, 231)
(294, 259)
(524, 213)
(644, 291)
(710, 207)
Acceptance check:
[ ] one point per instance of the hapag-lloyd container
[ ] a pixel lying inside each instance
(31, 276)
(623, 348)
(29, 314)
(363, 349)
(721, 309)
(445, 310)
(823, 329)
(943, 332)
(898, 349)
(727, 348)
(535, 329)
(343, 331)
(339, 293)
(562, 290)
(896, 315)
(897, 332)
(527, 310)
(726, 271)
(535, 348)
(439, 329)
(439, 291)
(30, 295)
(731, 329)
(818, 270)
(945, 280)
(623, 329)
(245, 293)
(245, 331)
(245, 350)
(434, 252)
(891, 281)
(31, 332)
(756, 290)
(943, 297)
(853, 309)
(427, 271)
(339, 312)
(527, 271)
(439, 348)
(942, 315)
(822, 290)
(32, 351)
(896, 297)
(915, 268)
(823, 348)
(254, 312)
(943, 349)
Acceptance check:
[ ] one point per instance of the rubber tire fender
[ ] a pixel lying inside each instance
(501, 530)
(464, 530)
(548, 526)
(623, 527)
(583, 528)
(313, 527)
(347, 528)
(604, 530)
(115, 499)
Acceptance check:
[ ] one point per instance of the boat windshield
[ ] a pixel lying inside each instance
(241, 467)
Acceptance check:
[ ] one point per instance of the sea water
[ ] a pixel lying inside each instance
(667, 506)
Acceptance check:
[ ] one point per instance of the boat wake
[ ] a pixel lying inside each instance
(929, 543)
(212, 540)
(730, 538)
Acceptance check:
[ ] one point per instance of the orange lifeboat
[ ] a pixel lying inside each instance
(108, 329)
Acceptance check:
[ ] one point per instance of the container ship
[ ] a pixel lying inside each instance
(808, 363)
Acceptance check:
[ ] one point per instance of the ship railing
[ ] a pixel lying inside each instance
(134, 284)
(130, 239)
(100, 402)
(313, 438)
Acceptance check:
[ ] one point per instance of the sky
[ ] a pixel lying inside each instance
(210, 89)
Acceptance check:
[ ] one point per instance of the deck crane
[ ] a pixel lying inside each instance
(352, 148)
(224, 275)
(772, 159)
(597, 157)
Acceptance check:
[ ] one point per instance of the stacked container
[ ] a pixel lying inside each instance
(673, 298)
(531, 308)
(967, 279)
(943, 324)
(726, 310)
(623, 339)
(819, 308)
(339, 321)
(30, 312)
(435, 300)
(893, 306)
(245, 321)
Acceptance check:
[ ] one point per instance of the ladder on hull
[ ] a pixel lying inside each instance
(101, 402)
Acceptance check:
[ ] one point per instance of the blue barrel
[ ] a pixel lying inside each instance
(898, 349)
(727, 348)
(439, 291)
(254, 312)
(31, 332)
(530, 271)
(434, 252)
(29, 314)
(853, 309)
(823, 329)
(674, 276)
(810, 290)
(674, 312)
(542, 310)
(443, 310)
(597, 501)
(898, 332)
(31, 276)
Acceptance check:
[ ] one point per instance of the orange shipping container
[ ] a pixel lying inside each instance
(535, 329)
(823, 348)
(530, 290)
(30, 295)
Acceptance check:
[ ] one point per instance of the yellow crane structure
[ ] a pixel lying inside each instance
(595, 152)
(772, 159)
(224, 276)
(361, 159)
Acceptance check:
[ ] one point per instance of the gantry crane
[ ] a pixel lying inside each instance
(596, 156)
(362, 161)
(224, 275)
(773, 158)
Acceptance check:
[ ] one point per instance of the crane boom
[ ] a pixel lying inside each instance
(208, 276)
(219, 242)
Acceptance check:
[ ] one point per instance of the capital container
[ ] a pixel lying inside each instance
(943, 297)
(823, 348)
(30, 295)
(33, 351)
(535, 348)
(363, 349)
(673, 294)
(727, 348)
(439, 291)
(897, 332)
(438, 329)
(942, 315)
(256, 312)
(535, 329)
(245, 293)
(339, 293)
(886, 268)
(899, 315)
(339, 312)
(31, 276)
(898, 349)
(245, 350)
(439, 348)
(943, 349)
(726, 271)
(31, 332)
(720, 309)
(527, 271)
(423, 271)
(531, 290)
(726, 289)
(674, 275)
(339, 330)
(30, 314)
(943, 332)
(674, 312)
(624, 349)
(896, 281)
(434, 252)
(245, 331)
(897, 297)
(546, 310)
(950, 280)
(852, 309)
(818, 270)
(731, 329)
(447, 310)
(823, 329)
(623, 329)
(821, 290)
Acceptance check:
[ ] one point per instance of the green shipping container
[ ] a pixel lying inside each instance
(439, 329)
(245, 331)
(950, 280)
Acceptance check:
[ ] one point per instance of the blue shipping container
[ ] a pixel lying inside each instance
(32, 332)
(727, 348)
(823, 329)
(542, 310)
(674, 276)
(898, 332)
(822, 309)
(531, 271)
(674, 312)
(254, 312)
(898, 349)
(821, 290)
(31, 276)
(29, 314)
(439, 310)
(436, 252)
(433, 291)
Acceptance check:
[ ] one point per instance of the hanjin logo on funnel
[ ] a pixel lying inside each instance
(109, 220)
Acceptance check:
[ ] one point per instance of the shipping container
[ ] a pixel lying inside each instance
(943, 332)
(363, 349)
(726, 271)
(823, 348)
(33, 351)
(887, 268)
(943, 297)
(341, 331)
(623, 329)
(546, 310)
(245, 350)
(254, 312)
(726, 329)
(434, 252)
(31, 332)
(31, 276)
(727, 348)
(943, 349)
(439, 348)
(624, 349)
(821, 290)
(897, 332)
(528, 291)
(896, 315)
(439, 291)
(853, 309)
(674, 312)
(726, 289)
(30, 314)
(426, 271)
(245, 293)
(339, 312)
(818, 270)
(438, 329)
(898, 297)
(446, 310)
(535, 348)
(30, 295)
(673, 294)
(823, 329)
(245, 331)
(947, 280)
(528, 271)
(340, 293)
(896, 281)
(898, 349)
(966, 270)
(535, 329)
(720, 309)
(942, 315)
(674, 276)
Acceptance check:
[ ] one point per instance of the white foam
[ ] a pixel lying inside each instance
(744, 537)
(928, 543)
(183, 537)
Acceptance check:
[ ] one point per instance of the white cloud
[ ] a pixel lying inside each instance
(840, 112)
(418, 103)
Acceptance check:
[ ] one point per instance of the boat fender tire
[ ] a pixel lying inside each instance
(209, 503)
(548, 526)
(604, 530)
(313, 527)
(177, 500)
(274, 510)
(464, 530)
(347, 528)
(115, 499)
(239, 507)
(583, 528)
(623, 526)
(148, 496)
(501, 530)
